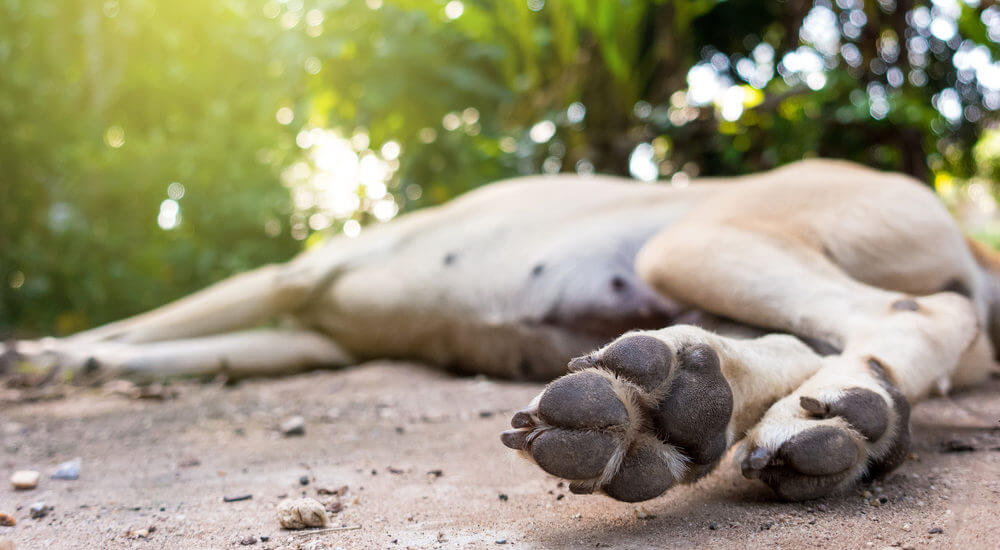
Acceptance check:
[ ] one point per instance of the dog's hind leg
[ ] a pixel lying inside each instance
(239, 354)
(238, 302)
(850, 419)
(651, 410)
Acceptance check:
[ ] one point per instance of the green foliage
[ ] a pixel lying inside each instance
(105, 105)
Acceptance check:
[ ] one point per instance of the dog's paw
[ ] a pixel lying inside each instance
(87, 362)
(824, 439)
(631, 419)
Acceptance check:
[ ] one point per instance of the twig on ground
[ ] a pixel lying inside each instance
(327, 530)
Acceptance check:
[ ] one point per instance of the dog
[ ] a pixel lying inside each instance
(798, 312)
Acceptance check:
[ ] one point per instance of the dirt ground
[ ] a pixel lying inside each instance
(420, 454)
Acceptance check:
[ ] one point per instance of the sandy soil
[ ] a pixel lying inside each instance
(380, 428)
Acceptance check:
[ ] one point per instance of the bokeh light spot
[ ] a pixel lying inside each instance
(114, 136)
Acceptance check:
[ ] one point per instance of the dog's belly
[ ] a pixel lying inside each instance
(506, 283)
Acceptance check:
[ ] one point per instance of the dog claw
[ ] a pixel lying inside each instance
(581, 363)
(515, 439)
(757, 460)
(522, 419)
(814, 406)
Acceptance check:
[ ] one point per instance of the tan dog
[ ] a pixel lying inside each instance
(517, 278)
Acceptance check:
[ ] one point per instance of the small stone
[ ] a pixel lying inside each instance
(68, 470)
(236, 498)
(713, 526)
(7, 544)
(334, 506)
(248, 541)
(304, 480)
(936, 531)
(39, 510)
(501, 541)
(7, 520)
(24, 480)
(642, 513)
(264, 538)
(503, 497)
(189, 463)
(138, 534)
(906, 527)
(301, 513)
(295, 425)
(339, 491)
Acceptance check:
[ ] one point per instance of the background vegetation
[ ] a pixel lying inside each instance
(150, 147)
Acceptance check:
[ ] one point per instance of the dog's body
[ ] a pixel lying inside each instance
(517, 278)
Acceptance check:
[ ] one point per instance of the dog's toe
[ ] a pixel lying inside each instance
(584, 399)
(645, 473)
(572, 454)
(863, 409)
(820, 451)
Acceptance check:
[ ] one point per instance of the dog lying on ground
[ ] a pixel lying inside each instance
(800, 311)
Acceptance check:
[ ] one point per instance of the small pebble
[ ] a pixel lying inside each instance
(7, 520)
(264, 538)
(295, 425)
(906, 527)
(642, 513)
(301, 513)
(503, 497)
(39, 510)
(188, 463)
(248, 541)
(713, 526)
(936, 531)
(138, 534)
(501, 541)
(304, 480)
(68, 470)
(334, 507)
(237, 498)
(23, 480)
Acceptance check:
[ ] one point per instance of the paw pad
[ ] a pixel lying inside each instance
(582, 400)
(631, 419)
(863, 409)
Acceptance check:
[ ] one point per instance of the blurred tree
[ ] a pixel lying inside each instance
(152, 147)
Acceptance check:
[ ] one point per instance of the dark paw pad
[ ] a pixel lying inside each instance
(697, 407)
(863, 409)
(638, 358)
(573, 454)
(811, 464)
(582, 400)
(644, 474)
(820, 451)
